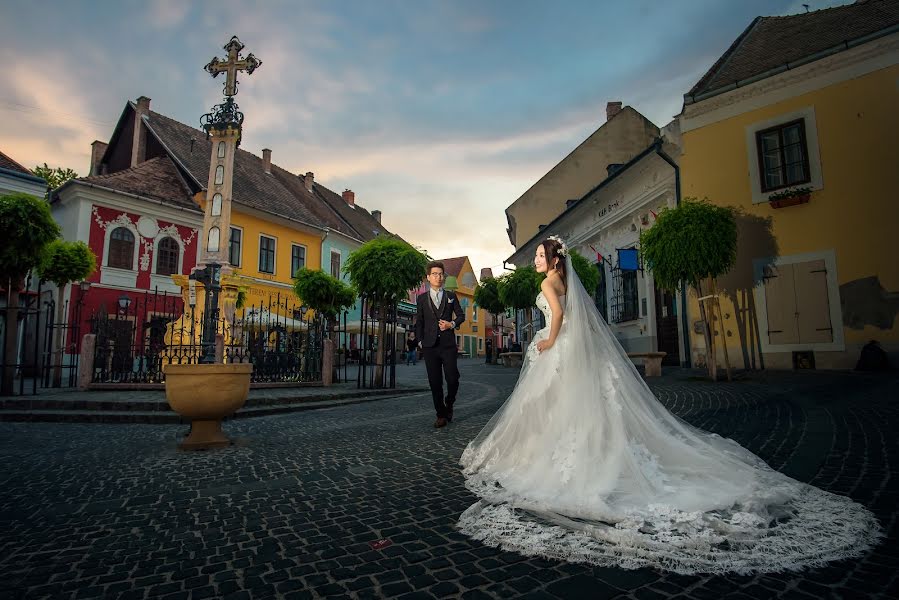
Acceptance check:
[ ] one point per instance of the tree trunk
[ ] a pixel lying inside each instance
(10, 353)
(59, 337)
(330, 325)
(381, 353)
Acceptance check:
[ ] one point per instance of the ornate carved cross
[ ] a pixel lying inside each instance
(234, 64)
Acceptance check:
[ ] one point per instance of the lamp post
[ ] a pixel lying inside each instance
(124, 302)
(210, 276)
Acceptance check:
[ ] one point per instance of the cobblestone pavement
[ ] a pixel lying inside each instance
(295, 507)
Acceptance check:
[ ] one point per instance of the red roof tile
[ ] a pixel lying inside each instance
(157, 178)
(773, 42)
(8, 163)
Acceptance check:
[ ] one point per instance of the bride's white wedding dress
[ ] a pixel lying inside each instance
(582, 463)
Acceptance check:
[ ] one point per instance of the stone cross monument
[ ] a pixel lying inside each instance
(224, 125)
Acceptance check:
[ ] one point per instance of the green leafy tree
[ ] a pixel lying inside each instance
(486, 295)
(64, 262)
(383, 270)
(519, 288)
(326, 295)
(26, 228)
(688, 245)
(586, 271)
(54, 177)
(323, 293)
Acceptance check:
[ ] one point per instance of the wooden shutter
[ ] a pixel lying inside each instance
(813, 305)
(780, 303)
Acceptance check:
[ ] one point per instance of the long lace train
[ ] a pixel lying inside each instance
(583, 464)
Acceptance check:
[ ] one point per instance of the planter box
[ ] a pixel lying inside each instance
(791, 201)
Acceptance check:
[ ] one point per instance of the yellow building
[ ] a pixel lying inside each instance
(461, 279)
(804, 101)
(279, 219)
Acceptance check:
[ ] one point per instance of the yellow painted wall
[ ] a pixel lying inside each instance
(855, 214)
(467, 328)
(253, 227)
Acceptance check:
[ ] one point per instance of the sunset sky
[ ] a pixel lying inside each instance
(439, 114)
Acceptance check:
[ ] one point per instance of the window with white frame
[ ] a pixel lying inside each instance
(121, 249)
(297, 259)
(335, 263)
(167, 255)
(234, 246)
(266, 254)
(783, 153)
(783, 156)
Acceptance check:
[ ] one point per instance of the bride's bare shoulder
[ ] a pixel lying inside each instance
(553, 284)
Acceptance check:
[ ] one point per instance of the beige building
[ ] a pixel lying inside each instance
(624, 135)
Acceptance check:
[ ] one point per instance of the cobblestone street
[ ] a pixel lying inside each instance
(295, 507)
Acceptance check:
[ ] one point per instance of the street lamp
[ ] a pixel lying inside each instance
(85, 286)
(124, 302)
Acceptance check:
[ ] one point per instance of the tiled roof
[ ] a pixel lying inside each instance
(157, 178)
(453, 266)
(772, 42)
(279, 193)
(486, 273)
(8, 163)
(358, 218)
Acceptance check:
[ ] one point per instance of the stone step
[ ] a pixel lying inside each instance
(168, 416)
(71, 402)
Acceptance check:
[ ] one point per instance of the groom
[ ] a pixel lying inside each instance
(437, 316)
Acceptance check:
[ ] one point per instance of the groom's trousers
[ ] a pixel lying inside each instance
(440, 361)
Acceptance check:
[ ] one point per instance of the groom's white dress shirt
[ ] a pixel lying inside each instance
(436, 296)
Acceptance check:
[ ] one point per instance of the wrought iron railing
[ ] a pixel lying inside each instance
(134, 344)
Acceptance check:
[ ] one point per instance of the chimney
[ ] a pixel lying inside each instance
(267, 160)
(139, 135)
(612, 109)
(349, 197)
(309, 180)
(377, 215)
(98, 149)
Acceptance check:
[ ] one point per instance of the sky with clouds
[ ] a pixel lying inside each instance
(438, 113)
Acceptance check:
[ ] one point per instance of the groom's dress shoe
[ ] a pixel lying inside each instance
(440, 422)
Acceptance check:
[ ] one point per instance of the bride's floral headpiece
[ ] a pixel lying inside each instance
(563, 251)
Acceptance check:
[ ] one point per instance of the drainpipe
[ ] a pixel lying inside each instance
(685, 361)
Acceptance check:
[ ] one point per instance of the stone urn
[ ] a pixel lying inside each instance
(206, 394)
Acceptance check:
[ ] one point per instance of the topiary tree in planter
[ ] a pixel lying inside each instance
(63, 263)
(486, 295)
(383, 270)
(690, 244)
(519, 288)
(26, 228)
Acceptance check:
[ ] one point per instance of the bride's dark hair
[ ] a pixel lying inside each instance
(552, 248)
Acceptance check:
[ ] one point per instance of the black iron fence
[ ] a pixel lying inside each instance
(135, 343)
(44, 353)
(378, 348)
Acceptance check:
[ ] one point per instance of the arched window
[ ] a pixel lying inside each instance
(121, 249)
(216, 205)
(167, 255)
(221, 150)
(219, 175)
(212, 244)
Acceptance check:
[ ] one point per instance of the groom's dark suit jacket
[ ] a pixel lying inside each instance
(426, 330)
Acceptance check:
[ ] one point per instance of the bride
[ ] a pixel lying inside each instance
(583, 464)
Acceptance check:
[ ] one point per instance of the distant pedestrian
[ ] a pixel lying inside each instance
(411, 349)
